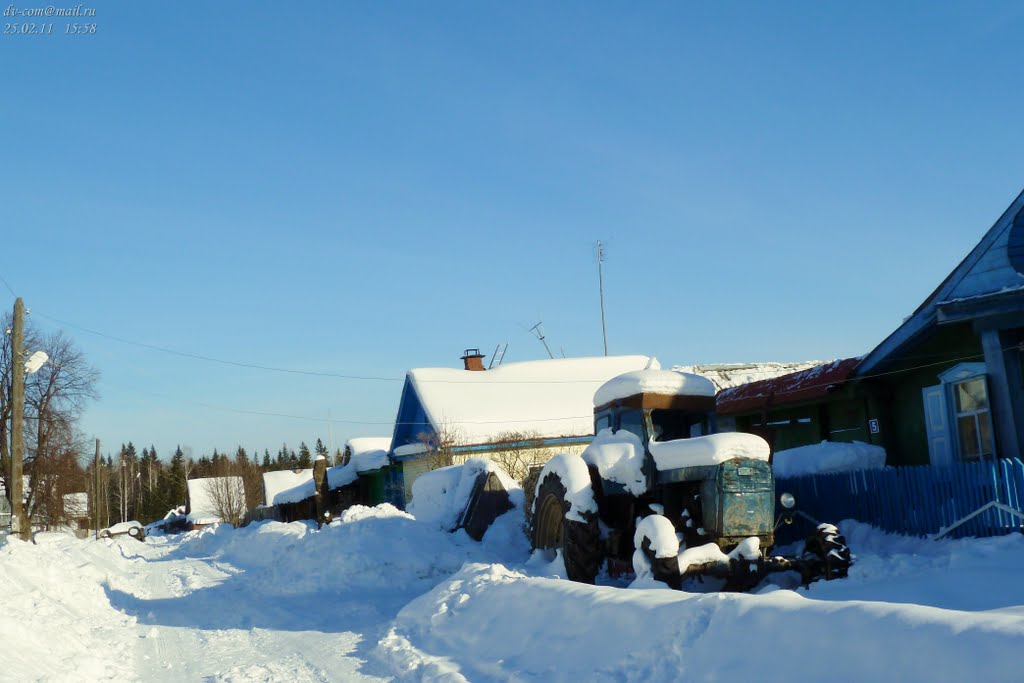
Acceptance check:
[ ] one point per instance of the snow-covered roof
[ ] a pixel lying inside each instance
(651, 381)
(546, 398)
(726, 375)
(368, 454)
(365, 444)
(282, 480)
(202, 509)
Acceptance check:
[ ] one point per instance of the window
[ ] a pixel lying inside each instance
(670, 425)
(632, 421)
(973, 422)
(602, 422)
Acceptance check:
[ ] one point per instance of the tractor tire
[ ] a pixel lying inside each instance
(580, 542)
(829, 546)
(664, 569)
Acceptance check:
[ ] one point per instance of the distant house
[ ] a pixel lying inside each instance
(532, 409)
(215, 499)
(278, 481)
(800, 408)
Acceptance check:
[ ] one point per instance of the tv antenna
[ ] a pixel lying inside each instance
(536, 329)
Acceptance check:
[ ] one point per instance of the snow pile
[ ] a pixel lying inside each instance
(653, 381)
(280, 481)
(619, 458)
(545, 398)
(727, 375)
(440, 497)
(554, 630)
(707, 450)
(572, 472)
(57, 622)
(203, 495)
(827, 456)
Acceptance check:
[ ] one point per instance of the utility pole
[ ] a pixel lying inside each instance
(96, 491)
(600, 284)
(18, 525)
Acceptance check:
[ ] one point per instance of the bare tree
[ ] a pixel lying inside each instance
(226, 498)
(54, 399)
(440, 445)
(516, 452)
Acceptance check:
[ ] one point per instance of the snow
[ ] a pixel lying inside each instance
(367, 454)
(727, 375)
(202, 509)
(545, 398)
(707, 450)
(619, 458)
(369, 449)
(827, 456)
(572, 472)
(280, 481)
(440, 497)
(378, 595)
(653, 381)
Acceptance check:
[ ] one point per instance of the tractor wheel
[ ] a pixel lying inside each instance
(580, 542)
(664, 569)
(829, 546)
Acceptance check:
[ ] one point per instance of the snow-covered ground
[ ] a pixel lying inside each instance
(378, 595)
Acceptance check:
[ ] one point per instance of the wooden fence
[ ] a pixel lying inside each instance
(918, 501)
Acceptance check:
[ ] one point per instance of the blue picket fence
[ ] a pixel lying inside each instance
(912, 500)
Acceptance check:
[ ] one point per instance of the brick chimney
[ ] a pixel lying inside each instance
(473, 360)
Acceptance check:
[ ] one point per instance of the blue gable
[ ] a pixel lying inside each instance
(412, 421)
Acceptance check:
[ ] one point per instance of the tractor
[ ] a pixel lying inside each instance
(661, 494)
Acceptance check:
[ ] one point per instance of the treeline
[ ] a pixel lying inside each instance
(144, 487)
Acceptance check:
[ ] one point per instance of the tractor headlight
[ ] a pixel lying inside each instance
(787, 500)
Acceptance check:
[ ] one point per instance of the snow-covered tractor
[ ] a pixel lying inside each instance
(660, 493)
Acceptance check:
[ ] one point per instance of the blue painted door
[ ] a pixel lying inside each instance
(936, 420)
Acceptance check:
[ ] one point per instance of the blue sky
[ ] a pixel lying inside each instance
(367, 187)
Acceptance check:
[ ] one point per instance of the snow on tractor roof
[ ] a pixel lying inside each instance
(712, 449)
(652, 381)
(545, 398)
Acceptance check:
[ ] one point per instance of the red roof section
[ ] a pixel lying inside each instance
(796, 387)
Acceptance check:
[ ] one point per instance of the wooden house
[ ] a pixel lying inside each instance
(517, 414)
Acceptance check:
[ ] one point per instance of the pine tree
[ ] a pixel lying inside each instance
(266, 460)
(321, 449)
(305, 460)
(176, 475)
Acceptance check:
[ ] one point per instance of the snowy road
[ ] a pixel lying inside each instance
(380, 596)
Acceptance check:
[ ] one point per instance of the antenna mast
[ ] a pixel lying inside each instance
(600, 284)
(540, 335)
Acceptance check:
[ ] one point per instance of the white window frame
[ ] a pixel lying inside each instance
(951, 379)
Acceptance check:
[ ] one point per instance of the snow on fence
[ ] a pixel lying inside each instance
(920, 500)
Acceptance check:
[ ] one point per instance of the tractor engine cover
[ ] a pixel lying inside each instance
(739, 502)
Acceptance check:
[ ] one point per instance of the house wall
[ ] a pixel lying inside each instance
(898, 392)
(524, 458)
(842, 416)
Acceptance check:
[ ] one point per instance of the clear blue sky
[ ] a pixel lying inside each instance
(368, 187)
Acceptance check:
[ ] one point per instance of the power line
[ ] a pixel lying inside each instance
(8, 287)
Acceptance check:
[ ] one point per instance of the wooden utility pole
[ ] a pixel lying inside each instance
(96, 491)
(19, 525)
(600, 284)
